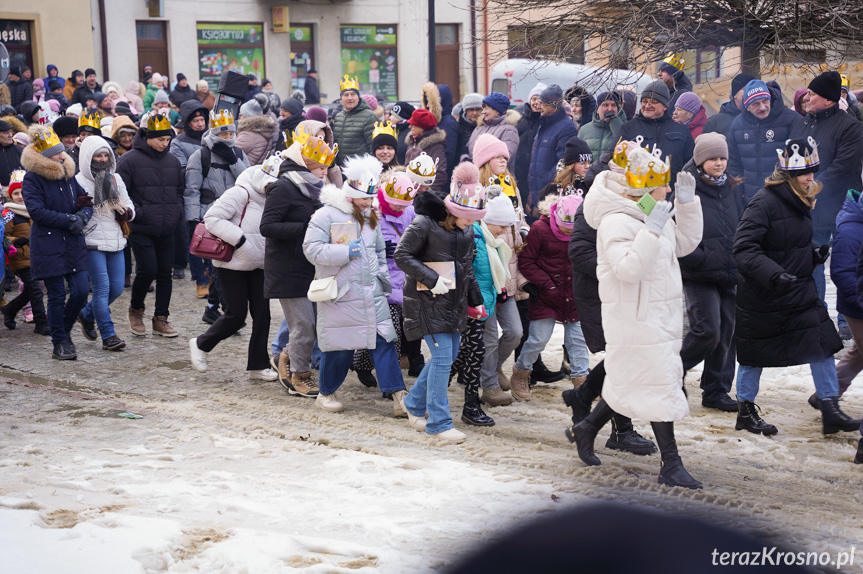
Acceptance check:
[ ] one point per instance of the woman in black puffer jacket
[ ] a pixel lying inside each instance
(441, 232)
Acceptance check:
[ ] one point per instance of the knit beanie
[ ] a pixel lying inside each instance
(668, 68)
(499, 209)
(471, 101)
(316, 113)
(708, 146)
(161, 97)
(371, 101)
(21, 139)
(613, 96)
(423, 119)
(576, 150)
(89, 72)
(403, 111)
(466, 196)
(565, 210)
(486, 148)
(156, 78)
(122, 108)
(552, 95)
(75, 110)
(753, 91)
(293, 106)
(536, 91)
(827, 85)
(181, 76)
(251, 109)
(689, 102)
(657, 91)
(739, 82)
(497, 101)
(384, 139)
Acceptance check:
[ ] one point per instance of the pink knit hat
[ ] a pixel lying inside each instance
(486, 148)
(370, 100)
(564, 210)
(466, 195)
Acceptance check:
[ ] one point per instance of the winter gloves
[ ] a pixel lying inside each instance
(76, 224)
(477, 312)
(84, 201)
(354, 249)
(390, 249)
(821, 254)
(225, 152)
(684, 188)
(20, 241)
(442, 286)
(784, 282)
(660, 215)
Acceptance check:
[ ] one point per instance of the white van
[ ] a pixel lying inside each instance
(516, 77)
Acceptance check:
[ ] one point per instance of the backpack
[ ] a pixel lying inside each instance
(207, 159)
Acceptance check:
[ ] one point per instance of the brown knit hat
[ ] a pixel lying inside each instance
(709, 145)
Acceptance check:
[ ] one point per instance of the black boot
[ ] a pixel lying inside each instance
(672, 472)
(580, 401)
(211, 315)
(834, 420)
(749, 419)
(42, 328)
(64, 352)
(367, 378)
(859, 458)
(623, 437)
(564, 364)
(541, 374)
(88, 328)
(8, 317)
(584, 433)
(472, 413)
(415, 364)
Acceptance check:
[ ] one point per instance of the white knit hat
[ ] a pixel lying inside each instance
(537, 90)
(499, 210)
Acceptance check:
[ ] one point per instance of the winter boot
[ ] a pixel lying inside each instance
(404, 363)
(416, 364)
(564, 364)
(859, 458)
(211, 315)
(520, 381)
(42, 328)
(496, 397)
(672, 472)
(302, 385)
(584, 433)
(203, 291)
(579, 400)
(451, 436)
(136, 322)
(64, 352)
(503, 380)
(578, 381)
(834, 420)
(624, 437)
(162, 327)
(113, 343)
(283, 367)
(749, 419)
(472, 413)
(88, 328)
(813, 398)
(541, 374)
(8, 317)
(367, 378)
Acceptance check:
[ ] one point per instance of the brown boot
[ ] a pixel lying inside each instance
(503, 380)
(162, 327)
(520, 382)
(136, 322)
(496, 397)
(578, 381)
(302, 385)
(284, 368)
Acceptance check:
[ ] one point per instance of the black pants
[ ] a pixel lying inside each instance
(710, 338)
(153, 259)
(525, 325)
(32, 293)
(244, 293)
(127, 258)
(471, 353)
(181, 246)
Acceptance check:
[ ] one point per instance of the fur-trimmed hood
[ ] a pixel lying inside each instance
(431, 100)
(17, 125)
(335, 197)
(512, 117)
(430, 138)
(431, 205)
(32, 160)
(544, 206)
(261, 124)
(121, 122)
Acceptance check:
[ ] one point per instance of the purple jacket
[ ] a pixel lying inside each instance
(392, 228)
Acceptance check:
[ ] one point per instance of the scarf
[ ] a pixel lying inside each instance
(499, 255)
(386, 208)
(554, 228)
(309, 184)
(714, 181)
(105, 188)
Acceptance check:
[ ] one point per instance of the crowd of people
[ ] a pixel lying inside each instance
(475, 227)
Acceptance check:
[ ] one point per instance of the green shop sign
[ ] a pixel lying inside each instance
(231, 34)
(368, 35)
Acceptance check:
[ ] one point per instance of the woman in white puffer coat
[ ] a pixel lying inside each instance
(103, 235)
(642, 303)
(235, 217)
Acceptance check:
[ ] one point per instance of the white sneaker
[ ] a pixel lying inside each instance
(199, 357)
(263, 375)
(399, 409)
(451, 436)
(329, 403)
(417, 423)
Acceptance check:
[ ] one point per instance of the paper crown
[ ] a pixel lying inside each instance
(422, 169)
(45, 140)
(221, 118)
(652, 177)
(16, 179)
(301, 135)
(399, 189)
(622, 149)
(349, 83)
(91, 119)
(362, 174)
(846, 81)
(383, 128)
(316, 149)
(158, 123)
(798, 161)
(675, 60)
(468, 195)
(271, 165)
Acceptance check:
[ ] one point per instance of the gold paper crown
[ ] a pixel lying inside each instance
(91, 118)
(349, 83)
(675, 60)
(301, 135)
(16, 178)
(44, 141)
(383, 128)
(317, 150)
(407, 191)
(620, 157)
(846, 81)
(158, 123)
(221, 118)
(652, 178)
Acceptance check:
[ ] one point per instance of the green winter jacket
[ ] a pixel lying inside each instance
(149, 97)
(482, 271)
(353, 131)
(599, 134)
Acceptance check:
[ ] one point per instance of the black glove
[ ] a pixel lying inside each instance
(76, 224)
(502, 296)
(225, 152)
(531, 289)
(240, 242)
(84, 201)
(83, 216)
(785, 281)
(821, 254)
(21, 241)
(390, 249)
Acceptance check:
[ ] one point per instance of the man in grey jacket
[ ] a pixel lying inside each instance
(354, 125)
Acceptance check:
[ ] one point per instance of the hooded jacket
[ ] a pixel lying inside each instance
(392, 229)
(155, 184)
(433, 142)
(720, 122)
(642, 300)
(226, 219)
(526, 135)
(843, 256)
(59, 79)
(682, 84)
(438, 100)
(360, 311)
(675, 140)
(257, 136)
(17, 225)
(503, 128)
(102, 232)
(599, 134)
(552, 133)
(465, 130)
(133, 95)
(779, 327)
(20, 91)
(313, 94)
(200, 192)
(121, 122)
(426, 240)
(10, 160)
(353, 131)
(188, 142)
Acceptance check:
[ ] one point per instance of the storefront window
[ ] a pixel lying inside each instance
(15, 34)
(235, 47)
(302, 55)
(369, 53)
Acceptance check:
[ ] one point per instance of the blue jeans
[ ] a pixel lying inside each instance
(281, 341)
(62, 312)
(823, 374)
(107, 273)
(540, 332)
(335, 365)
(429, 393)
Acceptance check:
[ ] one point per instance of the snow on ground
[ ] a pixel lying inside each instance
(225, 476)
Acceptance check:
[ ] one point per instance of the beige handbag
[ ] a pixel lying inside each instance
(325, 289)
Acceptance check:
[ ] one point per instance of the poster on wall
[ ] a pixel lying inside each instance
(235, 47)
(369, 53)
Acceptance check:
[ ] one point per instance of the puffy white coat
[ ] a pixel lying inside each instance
(642, 300)
(102, 232)
(223, 219)
(360, 310)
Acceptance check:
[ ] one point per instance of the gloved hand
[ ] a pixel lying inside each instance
(822, 253)
(225, 152)
(785, 281)
(83, 201)
(354, 249)
(684, 188)
(125, 215)
(85, 217)
(658, 217)
(442, 286)
(76, 224)
(530, 289)
(390, 249)
(12, 251)
(21, 241)
(477, 312)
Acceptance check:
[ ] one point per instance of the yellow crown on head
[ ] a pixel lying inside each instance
(846, 81)
(317, 150)
(301, 135)
(91, 118)
(349, 83)
(651, 178)
(221, 118)
(383, 128)
(400, 190)
(45, 140)
(158, 122)
(675, 60)
(620, 156)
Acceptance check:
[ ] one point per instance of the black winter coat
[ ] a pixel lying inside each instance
(840, 148)
(585, 285)
(672, 138)
(313, 94)
(465, 129)
(10, 160)
(79, 96)
(778, 327)
(713, 261)
(403, 134)
(19, 92)
(526, 134)
(287, 212)
(682, 84)
(721, 121)
(155, 182)
(426, 240)
(843, 256)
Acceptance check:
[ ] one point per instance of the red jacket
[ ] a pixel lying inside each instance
(696, 124)
(545, 263)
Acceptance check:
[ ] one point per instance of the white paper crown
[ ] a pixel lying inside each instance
(422, 169)
(798, 160)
